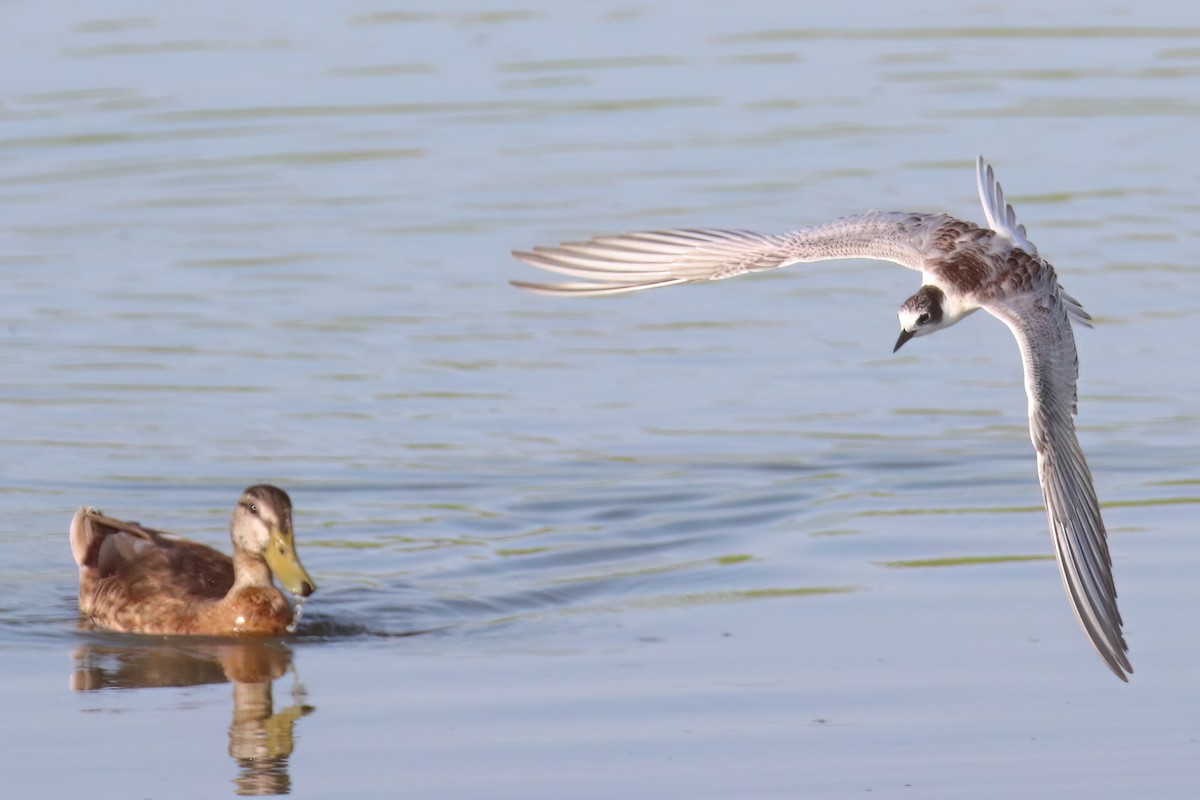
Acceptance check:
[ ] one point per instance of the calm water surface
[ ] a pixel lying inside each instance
(707, 542)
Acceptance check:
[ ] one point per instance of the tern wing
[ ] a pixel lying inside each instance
(1000, 215)
(1043, 332)
(1003, 220)
(630, 262)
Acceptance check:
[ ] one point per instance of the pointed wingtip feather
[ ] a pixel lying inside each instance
(589, 289)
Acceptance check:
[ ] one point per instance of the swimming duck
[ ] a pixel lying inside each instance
(137, 580)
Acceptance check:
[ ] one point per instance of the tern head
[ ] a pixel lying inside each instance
(921, 314)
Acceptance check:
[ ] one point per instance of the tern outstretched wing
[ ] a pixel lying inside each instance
(630, 262)
(1043, 332)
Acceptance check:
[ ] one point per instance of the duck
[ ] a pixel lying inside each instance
(134, 579)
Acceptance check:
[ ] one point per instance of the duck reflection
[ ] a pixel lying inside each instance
(260, 739)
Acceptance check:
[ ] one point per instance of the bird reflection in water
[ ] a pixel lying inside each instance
(260, 739)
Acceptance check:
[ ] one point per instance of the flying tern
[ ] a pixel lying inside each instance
(963, 268)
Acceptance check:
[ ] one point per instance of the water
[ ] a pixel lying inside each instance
(706, 542)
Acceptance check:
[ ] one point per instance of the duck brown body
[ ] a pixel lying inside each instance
(139, 580)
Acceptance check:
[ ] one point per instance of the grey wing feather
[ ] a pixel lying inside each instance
(1000, 215)
(1003, 220)
(1047, 346)
(650, 259)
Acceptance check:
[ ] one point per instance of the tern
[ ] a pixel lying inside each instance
(963, 267)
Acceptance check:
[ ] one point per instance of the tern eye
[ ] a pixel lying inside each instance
(921, 320)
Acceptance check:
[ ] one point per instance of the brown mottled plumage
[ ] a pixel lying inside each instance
(139, 580)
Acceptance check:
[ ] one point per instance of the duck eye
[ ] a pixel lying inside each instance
(253, 508)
